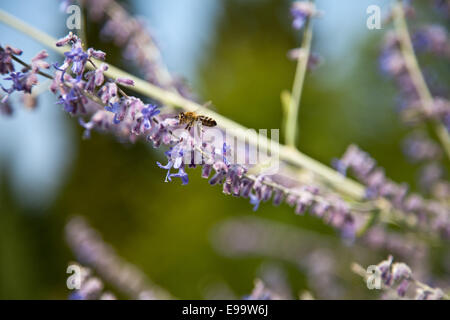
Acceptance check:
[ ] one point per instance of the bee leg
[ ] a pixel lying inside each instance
(189, 125)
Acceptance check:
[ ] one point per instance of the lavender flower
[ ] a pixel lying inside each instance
(91, 251)
(148, 113)
(175, 161)
(314, 59)
(108, 93)
(300, 12)
(127, 82)
(95, 78)
(261, 292)
(73, 101)
(25, 80)
(419, 147)
(69, 38)
(20, 82)
(398, 279)
(119, 109)
(77, 57)
(88, 126)
(254, 200)
(433, 39)
(90, 290)
(6, 65)
(431, 215)
(38, 62)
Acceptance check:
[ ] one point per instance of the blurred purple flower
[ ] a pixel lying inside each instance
(300, 12)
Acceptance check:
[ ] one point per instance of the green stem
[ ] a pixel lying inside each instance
(290, 155)
(96, 99)
(26, 65)
(286, 153)
(297, 87)
(82, 33)
(426, 99)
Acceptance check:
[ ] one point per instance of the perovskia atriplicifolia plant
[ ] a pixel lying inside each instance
(363, 210)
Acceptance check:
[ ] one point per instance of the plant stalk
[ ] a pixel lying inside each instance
(297, 87)
(294, 157)
(412, 65)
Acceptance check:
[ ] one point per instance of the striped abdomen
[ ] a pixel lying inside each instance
(207, 121)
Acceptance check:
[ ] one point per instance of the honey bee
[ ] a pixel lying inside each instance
(190, 118)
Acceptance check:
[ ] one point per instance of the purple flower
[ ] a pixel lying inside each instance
(76, 295)
(206, 171)
(340, 166)
(417, 147)
(385, 269)
(88, 126)
(98, 54)
(73, 101)
(125, 81)
(78, 58)
(303, 202)
(348, 229)
(95, 78)
(402, 288)
(114, 108)
(168, 166)
(6, 65)
(401, 270)
(225, 150)
(119, 109)
(221, 170)
(162, 133)
(431, 39)
(21, 82)
(181, 174)
(148, 113)
(255, 201)
(175, 160)
(300, 12)
(378, 185)
(70, 37)
(278, 197)
(108, 92)
(38, 61)
(233, 180)
(391, 62)
(246, 187)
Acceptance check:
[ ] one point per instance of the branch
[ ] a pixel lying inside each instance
(297, 87)
(294, 157)
(426, 99)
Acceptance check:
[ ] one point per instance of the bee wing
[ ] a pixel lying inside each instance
(207, 104)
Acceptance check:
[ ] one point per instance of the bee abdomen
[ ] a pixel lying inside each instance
(206, 121)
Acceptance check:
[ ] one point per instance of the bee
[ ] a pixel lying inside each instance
(190, 118)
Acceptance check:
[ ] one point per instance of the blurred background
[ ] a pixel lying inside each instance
(233, 53)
